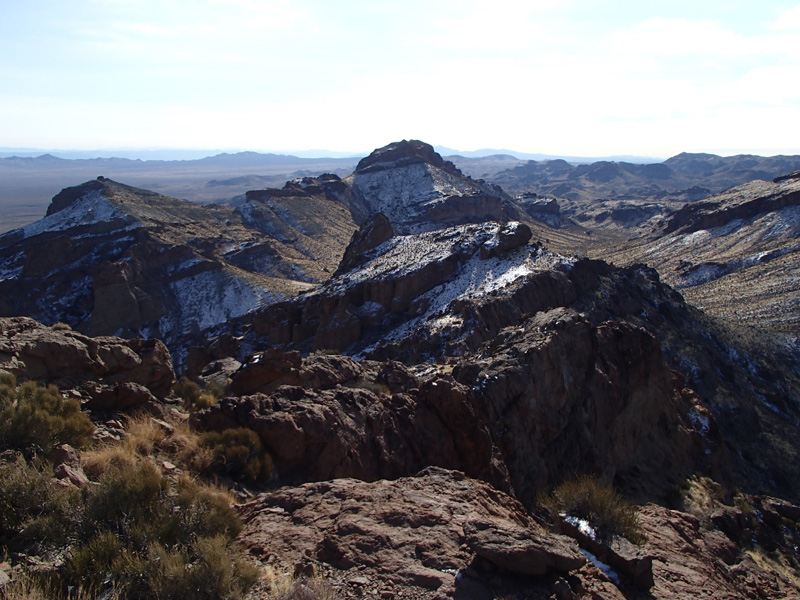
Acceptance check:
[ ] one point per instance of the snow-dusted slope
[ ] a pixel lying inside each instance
(419, 191)
(109, 259)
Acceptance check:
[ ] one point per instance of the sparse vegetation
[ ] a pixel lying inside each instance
(283, 586)
(195, 398)
(604, 508)
(37, 418)
(238, 454)
(138, 530)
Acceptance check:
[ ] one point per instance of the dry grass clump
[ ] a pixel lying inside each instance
(38, 418)
(284, 586)
(605, 509)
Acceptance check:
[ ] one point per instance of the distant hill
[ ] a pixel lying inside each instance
(30, 182)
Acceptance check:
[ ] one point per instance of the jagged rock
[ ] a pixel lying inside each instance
(376, 230)
(510, 236)
(342, 423)
(220, 371)
(119, 397)
(792, 175)
(521, 550)
(687, 561)
(264, 369)
(138, 369)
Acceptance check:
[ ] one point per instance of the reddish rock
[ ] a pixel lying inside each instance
(67, 465)
(69, 359)
(118, 397)
(407, 532)
(265, 368)
(521, 550)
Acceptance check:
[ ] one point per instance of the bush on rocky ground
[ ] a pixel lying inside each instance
(36, 418)
(141, 528)
(604, 508)
(238, 454)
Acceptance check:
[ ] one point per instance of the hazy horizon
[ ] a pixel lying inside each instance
(584, 78)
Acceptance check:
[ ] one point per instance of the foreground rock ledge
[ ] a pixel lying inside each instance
(407, 532)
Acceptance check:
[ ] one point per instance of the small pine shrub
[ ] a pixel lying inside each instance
(604, 508)
(238, 454)
(39, 418)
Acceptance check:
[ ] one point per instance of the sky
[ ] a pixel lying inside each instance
(577, 77)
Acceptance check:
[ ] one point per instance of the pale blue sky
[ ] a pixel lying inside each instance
(584, 77)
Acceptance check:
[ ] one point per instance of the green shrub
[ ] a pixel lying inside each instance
(604, 508)
(7, 379)
(195, 398)
(156, 540)
(238, 454)
(187, 390)
(36, 417)
(36, 513)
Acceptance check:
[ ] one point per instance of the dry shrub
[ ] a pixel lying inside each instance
(145, 435)
(35, 511)
(195, 398)
(283, 586)
(605, 509)
(238, 454)
(33, 417)
(154, 539)
(100, 459)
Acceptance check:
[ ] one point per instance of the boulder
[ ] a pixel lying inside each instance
(522, 550)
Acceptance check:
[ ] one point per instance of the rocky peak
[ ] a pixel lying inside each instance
(419, 191)
(404, 153)
(68, 196)
(329, 185)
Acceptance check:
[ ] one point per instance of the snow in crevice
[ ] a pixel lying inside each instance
(581, 525)
(700, 423)
(606, 569)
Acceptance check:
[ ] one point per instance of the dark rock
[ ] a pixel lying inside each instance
(520, 550)
(376, 230)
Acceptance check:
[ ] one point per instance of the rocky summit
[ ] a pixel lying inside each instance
(407, 391)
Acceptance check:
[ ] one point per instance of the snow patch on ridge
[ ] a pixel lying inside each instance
(90, 209)
(210, 298)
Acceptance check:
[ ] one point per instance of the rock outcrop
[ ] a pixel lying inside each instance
(441, 534)
(403, 535)
(109, 373)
